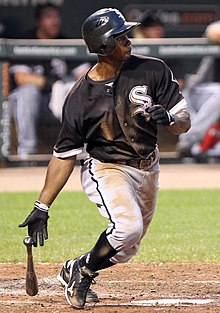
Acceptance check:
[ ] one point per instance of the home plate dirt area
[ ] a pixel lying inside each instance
(164, 287)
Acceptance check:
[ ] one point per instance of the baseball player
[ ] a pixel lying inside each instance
(115, 109)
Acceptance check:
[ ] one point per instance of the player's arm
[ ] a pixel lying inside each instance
(181, 122)
(176, 120)
(181, 118)
(58, 172)
(57, 175)
(172, 111)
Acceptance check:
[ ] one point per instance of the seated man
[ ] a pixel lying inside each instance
(33, 82)
(202, 93)
(62, 86)
(210, 144)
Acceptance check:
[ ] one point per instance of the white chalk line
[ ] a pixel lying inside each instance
(165, 281)
(133, 303)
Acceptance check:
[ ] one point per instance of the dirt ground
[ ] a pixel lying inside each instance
(147, 288)
(132, 288)
(171, 176)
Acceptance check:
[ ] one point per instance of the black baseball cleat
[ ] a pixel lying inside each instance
(80, 280)
(64, 278)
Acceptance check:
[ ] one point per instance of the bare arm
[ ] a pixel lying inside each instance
(58, 172)
(182, 122)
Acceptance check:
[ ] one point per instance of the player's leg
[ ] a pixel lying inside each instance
(117, 190)
(147, 194)
(25, 108)
(89, 187)
(146, 197)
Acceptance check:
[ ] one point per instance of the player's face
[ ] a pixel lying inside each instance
(50, 23)
(123, 49)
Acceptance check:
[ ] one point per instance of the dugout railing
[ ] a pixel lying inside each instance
(13, 50)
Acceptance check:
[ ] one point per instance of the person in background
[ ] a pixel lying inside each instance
(202, 92)
(63, 85)
(151, 27)
(32, 82)
(2, 30)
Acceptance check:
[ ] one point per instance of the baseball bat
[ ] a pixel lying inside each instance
(31, 277)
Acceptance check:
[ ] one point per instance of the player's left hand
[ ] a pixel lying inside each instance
(160, 115)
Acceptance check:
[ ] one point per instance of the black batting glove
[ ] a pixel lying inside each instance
(37, 224)
(160, 115)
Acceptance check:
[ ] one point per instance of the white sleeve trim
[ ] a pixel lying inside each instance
(178, 107)
(67, 154)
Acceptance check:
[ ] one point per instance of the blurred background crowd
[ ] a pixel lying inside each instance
(38, 88)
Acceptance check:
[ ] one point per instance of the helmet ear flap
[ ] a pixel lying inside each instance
(109, 46)
(102, 49)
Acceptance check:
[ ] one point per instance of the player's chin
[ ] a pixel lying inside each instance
(127, 55)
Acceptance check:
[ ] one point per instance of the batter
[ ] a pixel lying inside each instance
(114, 109)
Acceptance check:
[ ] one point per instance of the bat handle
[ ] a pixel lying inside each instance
(30, 263)
(31, 278)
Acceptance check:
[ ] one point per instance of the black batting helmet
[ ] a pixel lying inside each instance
(100, 29)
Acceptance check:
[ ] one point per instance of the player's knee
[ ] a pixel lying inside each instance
(126, 236)
(134, 234)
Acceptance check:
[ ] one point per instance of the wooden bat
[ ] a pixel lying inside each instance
(31, 277)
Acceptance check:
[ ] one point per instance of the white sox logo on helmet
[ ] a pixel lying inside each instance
(102, 21)
(138, 96)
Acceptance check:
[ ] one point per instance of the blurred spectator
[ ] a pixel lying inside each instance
(2, 30)
(151, 27)
(33, 82)
(202, 93)
(62, 86)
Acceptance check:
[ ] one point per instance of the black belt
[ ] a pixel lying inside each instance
(141, 164)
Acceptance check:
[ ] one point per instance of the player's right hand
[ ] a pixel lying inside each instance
(37, 226)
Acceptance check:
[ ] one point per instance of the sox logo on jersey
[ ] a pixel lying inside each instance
(138, 96)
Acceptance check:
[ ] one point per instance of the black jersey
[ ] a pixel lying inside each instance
(115, 125)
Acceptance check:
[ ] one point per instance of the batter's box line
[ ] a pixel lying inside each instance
(162, 302)
(133, 303)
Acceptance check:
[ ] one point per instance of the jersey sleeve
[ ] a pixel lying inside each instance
(168, 93)
(70, 141)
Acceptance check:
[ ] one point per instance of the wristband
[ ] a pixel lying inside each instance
(41, 206)
(171, 119)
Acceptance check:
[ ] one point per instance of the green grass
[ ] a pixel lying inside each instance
(185, 228)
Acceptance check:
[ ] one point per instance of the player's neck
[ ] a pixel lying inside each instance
(104, 70)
